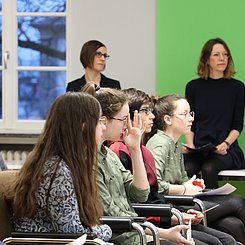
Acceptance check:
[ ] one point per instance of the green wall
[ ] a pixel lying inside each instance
(182, 29)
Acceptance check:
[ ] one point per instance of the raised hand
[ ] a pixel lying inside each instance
(133, 133)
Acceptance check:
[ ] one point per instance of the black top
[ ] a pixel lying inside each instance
(219, 108)
(76, 85)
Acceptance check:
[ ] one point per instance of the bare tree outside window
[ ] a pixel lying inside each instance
(41, 52)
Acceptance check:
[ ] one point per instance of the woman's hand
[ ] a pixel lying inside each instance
(173, 234)
(222, 148)
(196, 216)
(186, 150)
(192, 189)
(133, 133)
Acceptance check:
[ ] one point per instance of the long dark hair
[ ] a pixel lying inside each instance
(136, 98)
(69, 134)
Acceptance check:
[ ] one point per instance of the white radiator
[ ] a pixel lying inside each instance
(14, 159)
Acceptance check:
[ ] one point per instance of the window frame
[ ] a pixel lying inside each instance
(9, 124)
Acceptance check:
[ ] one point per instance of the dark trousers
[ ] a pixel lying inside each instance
(229, 216)
(208, 165)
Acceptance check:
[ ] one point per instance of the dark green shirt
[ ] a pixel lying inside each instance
(168, 159)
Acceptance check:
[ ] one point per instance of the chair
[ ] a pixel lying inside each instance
(121, 224)
(43, 241)
(8, 235)
(157, 210)
(117, 224)
(5, 216)
(187, 201)
(238, 174)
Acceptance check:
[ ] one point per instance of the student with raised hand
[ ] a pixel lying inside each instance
(140, 101)
(173, 118)
(118, 187)
(93, 58)
(218, 101)
(56, 190)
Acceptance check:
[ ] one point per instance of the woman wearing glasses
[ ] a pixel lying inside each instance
(173, 119)
(93, 57)
(117, 186)
(140, 101)
(55, 190)
(218, 101)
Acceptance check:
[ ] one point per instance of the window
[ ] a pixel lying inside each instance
(33, 62)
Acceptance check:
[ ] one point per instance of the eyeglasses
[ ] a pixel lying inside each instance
(99, 55)
(219, 55)
(147, 110)
(120, 119)
(185, 114)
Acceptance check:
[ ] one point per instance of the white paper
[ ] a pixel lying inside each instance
(79, 241)
(188, 233)
(223, 190)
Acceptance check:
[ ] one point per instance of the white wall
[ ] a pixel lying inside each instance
(127, 28)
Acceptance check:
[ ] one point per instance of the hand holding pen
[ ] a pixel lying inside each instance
(207, 210)
(196, 216)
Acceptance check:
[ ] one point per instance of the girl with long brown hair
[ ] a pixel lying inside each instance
(56, 190)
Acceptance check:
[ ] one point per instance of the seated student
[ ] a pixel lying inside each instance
(140, 101)
(93, 57)
(56, 189)
(172, 119)
(118, 187)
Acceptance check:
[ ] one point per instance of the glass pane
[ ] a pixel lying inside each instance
(37, 91)
(1, 96)
(0, 5)
(41, 6)
(41, 41)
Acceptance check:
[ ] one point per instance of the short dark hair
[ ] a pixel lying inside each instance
(136, 98)
(88, 52)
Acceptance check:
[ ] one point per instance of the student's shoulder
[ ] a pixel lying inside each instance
(55, 164)
(158, 140)
(118, 146)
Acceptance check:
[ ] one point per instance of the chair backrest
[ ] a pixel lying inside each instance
(6, 223)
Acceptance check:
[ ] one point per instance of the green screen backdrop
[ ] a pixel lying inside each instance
(182, 29)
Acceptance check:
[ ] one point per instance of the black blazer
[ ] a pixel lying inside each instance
(76, 85)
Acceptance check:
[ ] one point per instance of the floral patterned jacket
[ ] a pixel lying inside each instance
(63, 215)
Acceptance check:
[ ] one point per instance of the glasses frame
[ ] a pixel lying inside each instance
(147, 110)
(185, 114)
(120, 119)
(100, 54)
(225, 55)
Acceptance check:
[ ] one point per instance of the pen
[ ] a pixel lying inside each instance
(206, 210)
